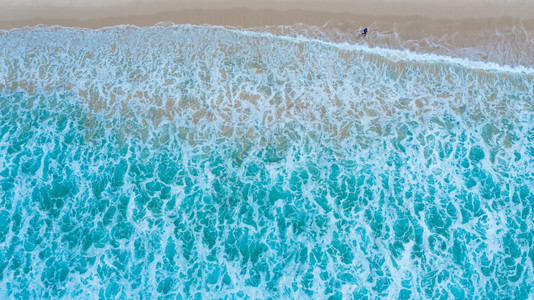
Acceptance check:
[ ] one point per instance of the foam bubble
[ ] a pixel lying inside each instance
(200, 161)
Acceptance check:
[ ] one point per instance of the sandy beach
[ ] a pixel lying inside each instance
(414, 25)
(96, 14)
(97, 9)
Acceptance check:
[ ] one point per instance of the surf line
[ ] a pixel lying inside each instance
(397, 55)
(394, 55)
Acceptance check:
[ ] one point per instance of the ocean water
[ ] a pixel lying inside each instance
(195, 162)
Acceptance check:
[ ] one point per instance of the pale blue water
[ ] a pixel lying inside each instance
(202, 162)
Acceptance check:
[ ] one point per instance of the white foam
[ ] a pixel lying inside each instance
(394, 55)
(336, 92)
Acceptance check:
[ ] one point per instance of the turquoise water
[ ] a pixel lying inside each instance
(204, 162)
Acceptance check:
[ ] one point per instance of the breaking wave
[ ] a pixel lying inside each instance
(209, 162)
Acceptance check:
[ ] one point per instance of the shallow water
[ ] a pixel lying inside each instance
(505, 41)
(207, 162)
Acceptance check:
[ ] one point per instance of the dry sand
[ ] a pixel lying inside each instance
(98, 13)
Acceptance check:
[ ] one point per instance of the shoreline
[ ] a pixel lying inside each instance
(100, 13)
(504, 40)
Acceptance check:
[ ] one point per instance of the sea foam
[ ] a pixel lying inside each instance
(209, 162)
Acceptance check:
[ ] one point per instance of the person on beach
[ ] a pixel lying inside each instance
(364, 32)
